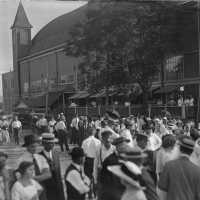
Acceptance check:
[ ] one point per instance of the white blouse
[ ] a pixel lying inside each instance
(30, 192)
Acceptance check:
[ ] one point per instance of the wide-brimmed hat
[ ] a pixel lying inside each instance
(128, 172)
(49, 138)
(186, 142)
(134, 153)
(112, 116)
(120, 140)
(30, 139)
(77, 152)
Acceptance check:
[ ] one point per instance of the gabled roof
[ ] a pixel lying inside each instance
(21, 19)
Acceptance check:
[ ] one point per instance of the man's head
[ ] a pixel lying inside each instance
(141, 140)
(121, 144)
(31, 143)
(48, 141)
(92, 131)
(16, 118)
(77, 155)
(186, 145)
(106, 138)
(3, 158)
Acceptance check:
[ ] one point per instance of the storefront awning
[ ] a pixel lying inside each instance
(166, 89)
(40, 101)
(80, 95)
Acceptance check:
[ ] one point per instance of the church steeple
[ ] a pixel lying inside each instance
(21, 19)
(21, 42)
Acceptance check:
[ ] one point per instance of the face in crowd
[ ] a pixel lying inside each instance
(106, 140)
(32, 148)
(48, 146)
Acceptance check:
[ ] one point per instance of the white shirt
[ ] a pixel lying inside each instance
(41, 161)
(16, 124)
(74, 178)
(127, 134)
(101, 154)
(48, 154)
(60, 126)
(42, 122)
(90, 146)
(154, 142)
(30, 192)
(75, 122)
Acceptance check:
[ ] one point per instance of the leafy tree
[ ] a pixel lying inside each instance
(125, 42)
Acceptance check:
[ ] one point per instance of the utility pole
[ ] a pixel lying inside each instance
(47, 88)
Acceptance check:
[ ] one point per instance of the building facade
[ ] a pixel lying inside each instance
(8, 90)
(43, 75)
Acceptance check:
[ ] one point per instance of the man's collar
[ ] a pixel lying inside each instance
(76, 165)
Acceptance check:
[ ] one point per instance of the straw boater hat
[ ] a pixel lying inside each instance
(49, 138)
(186, 142)
(132, 154)
(128, 172)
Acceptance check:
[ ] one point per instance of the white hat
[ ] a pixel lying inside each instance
(125, 171)
(49, 138)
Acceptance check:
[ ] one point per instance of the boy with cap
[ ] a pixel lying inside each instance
(180, 178)
(77, 183)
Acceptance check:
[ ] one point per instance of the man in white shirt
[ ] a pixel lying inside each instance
(42, 170)
(61, 130)
(90, 147)
(104, 150)
(77, 183)
(42, 124)
(16, 127)
(75, 130)
(53, 185)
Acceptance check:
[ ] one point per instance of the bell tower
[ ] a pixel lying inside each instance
(21, 42)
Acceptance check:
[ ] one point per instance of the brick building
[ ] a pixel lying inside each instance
(45, 76)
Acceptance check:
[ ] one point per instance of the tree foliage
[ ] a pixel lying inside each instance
(123, 42)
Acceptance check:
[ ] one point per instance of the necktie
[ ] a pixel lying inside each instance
(37, 169)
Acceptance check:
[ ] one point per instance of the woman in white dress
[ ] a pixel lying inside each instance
(26, 188)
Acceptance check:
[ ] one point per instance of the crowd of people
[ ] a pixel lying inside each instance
(116, 158)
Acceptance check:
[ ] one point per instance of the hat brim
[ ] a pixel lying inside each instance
(120, 142)
(116, 170)
(132, 157)
(55, 140)
(186, 146)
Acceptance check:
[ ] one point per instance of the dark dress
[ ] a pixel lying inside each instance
(110, 185)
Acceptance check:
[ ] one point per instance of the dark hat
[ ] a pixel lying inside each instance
(30, 139)
(2, 154)
(49, 138)
(186, 142)
(113, 115)
(134, 153)
(120, 140)
(141, 136)
(106, 133)
(77, 152)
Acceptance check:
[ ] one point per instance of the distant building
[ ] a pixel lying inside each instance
(8, 91)
(45, 76)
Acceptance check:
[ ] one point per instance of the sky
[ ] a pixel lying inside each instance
(39, 13)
